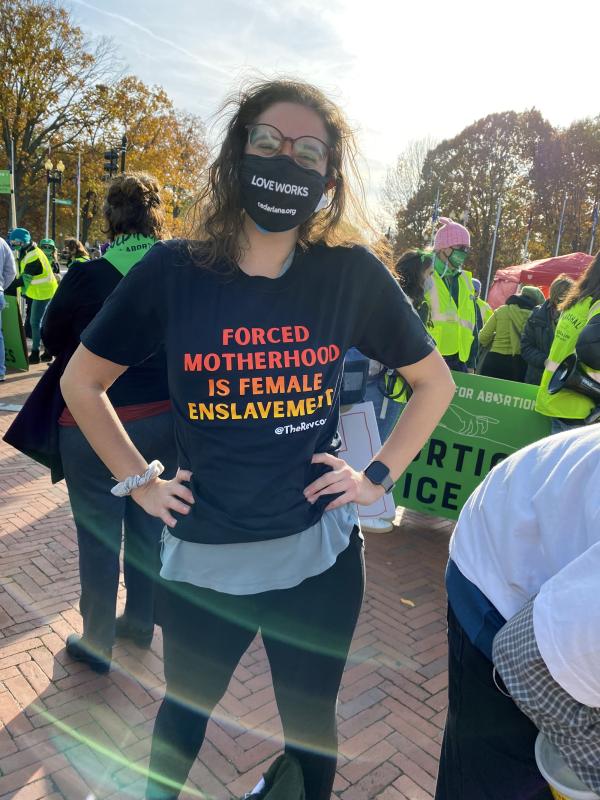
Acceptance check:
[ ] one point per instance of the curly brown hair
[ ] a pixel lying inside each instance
(133, 205)
(588, 285)
(217, 213)
(76, 249)
(410, 269)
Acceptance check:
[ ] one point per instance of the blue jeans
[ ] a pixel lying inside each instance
(387, 411)
(2, 353)
(559, 425)
(38, 309)
(101, 519)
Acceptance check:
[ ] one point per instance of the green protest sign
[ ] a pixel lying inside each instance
(15, 344)
(487, 420)
(4, 181)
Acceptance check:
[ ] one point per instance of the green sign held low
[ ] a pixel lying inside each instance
(487, 420)
(15, 344)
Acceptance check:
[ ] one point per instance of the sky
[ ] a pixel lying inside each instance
(401, 70)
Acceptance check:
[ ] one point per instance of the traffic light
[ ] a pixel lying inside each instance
(111, 161)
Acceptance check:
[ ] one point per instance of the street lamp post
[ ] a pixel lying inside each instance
(54, 177)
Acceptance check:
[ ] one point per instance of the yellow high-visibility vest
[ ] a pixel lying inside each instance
(78, 260)
(38, 287)
(453, 326)
(567, 404)
(485, 309)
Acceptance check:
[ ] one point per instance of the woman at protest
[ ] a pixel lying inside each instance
(385, 388)
(538, 333)
(76, 252)
(569, 408)
(37, 282)
(48, 247)
(134, 222)
(502, 334)
(415, 273)
(256, 314)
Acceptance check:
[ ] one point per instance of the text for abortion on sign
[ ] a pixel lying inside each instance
(487, 420)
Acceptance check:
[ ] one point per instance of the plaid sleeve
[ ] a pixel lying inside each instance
(572, 727)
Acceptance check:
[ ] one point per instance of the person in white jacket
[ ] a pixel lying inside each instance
(526, 549)
(8, 270)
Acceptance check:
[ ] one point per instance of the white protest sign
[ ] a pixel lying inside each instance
(360, 443)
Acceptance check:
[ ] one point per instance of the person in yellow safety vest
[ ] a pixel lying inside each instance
(451, 299)
(569, 408)
(414, 269)
(38, 282)
(76, 252)
(483, 310)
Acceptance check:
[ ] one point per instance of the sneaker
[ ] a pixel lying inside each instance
(46, 356)
(376, 525)
(80, 651)
(34, 357)
(125, 630)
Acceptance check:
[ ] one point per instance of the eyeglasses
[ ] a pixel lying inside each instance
(308, 151)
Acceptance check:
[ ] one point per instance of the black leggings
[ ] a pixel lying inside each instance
(306, 632)
(509, 368)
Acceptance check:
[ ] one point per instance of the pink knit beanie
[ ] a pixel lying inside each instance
(451, 234)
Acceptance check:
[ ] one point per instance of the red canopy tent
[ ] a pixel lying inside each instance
(537, 273)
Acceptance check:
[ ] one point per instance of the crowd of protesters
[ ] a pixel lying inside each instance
(232, 526)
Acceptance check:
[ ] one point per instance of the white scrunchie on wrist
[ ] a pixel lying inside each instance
(126, 487)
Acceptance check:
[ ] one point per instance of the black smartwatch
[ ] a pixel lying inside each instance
(379, 474)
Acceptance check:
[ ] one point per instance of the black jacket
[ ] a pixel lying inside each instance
(536, 341)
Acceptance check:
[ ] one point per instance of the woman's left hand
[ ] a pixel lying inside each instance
(353, 486)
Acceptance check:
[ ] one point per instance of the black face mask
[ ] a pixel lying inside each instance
(277, 193)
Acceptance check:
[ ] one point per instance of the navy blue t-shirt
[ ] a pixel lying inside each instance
(255, 367)
(80, 295)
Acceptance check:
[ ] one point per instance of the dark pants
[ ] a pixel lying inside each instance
(455, 363)
(27, 322)
(487, 751)
(507, 367)
(306, 632)
(101, 518)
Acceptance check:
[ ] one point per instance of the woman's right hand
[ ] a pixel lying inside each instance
(158, 498)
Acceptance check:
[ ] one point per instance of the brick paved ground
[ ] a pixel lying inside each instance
(67, 733)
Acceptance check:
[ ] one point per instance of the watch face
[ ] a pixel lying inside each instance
(377, 472)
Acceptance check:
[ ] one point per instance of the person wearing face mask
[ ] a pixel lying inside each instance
(38, 283)
(414, 269)
(48, 247)
(255, 315)
(452, 298)
(387, 391)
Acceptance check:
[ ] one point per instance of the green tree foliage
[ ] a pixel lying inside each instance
(61, 96)
(530, 166)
